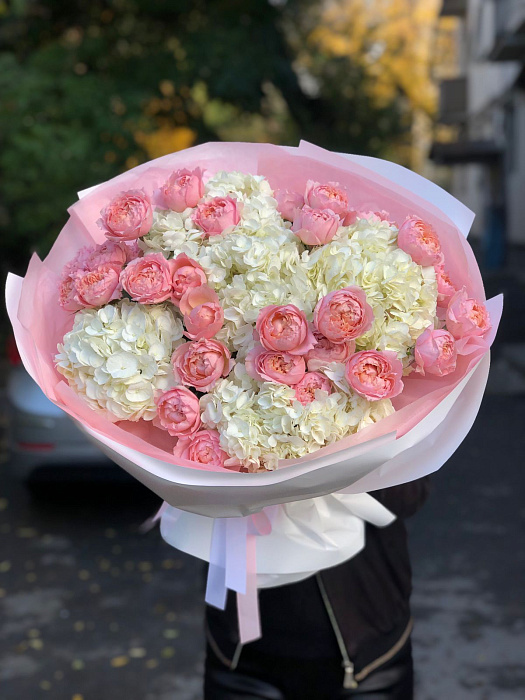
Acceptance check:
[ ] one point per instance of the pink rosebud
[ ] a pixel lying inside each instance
(178, 412)
(330, 196)
(289, 203)
(343, 315)
(284, 329)
(375, 375)
(270, 366)
(216, 215)
(203, 314)
(186, 274)
(148, 279)
(435, 352)
(183, 189)
(466, 317)
(128, 216)
(446, 289)
(325, 351)
(201, 363)
(98, 286)
(315, 226)
(420, 241)
(203, 447)
(309, 384)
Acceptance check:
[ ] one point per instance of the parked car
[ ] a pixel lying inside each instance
(42, 440)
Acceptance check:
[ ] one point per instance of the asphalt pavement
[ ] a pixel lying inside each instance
(92, 609)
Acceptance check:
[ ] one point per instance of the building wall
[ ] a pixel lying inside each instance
(515, 171)
(495, 112)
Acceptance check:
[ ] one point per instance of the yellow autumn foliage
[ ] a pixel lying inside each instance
(165, 140)
(392, 39)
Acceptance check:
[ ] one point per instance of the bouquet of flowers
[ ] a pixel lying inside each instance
(242, 326)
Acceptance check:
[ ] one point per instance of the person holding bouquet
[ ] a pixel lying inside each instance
(343, 633)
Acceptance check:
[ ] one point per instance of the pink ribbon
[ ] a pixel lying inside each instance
(233, 565)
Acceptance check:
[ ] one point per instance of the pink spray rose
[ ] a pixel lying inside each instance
(284, 329)
(315, 226)
(98, 286)
(128, 216)
(466, 317)
(183, 189)
(201, 363)
(288, 203)
(148, 279)
(186, 274)
(420, 241)
(216, 215)
(446, 289)
(271, 366)
(203, 314)
(435, 352)
(178, 412)
(343, 315)
(330, 196)
(203, 447)
(325, 351)
(309, 384)
(375, 375)
(67, 295)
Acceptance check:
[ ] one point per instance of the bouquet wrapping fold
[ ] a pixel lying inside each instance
(271, 527)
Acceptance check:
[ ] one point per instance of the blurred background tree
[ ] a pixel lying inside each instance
(91, 89)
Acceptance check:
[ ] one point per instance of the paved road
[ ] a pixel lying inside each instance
(92, 609)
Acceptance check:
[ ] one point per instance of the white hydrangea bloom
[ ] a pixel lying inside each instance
(118, 356)
(172, 233)
(260, 424)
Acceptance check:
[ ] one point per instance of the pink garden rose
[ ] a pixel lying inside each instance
(271, 366)
(315, 226)
(288, 203)
(203, 314)
(186, 274)
(98, 286)
(200, 363)
(284, 329)
(330, 196)
(343, 315)
(375, 375)
(325, 351)
(203, 447)
(435, 352)
(420, 241)
(183, 189)
(128, 216)
(216, 215)
(446, 289)
(309, 384)
(178, 412)
(148, 279)
(466, 317)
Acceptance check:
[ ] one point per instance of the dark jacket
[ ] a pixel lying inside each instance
(359, 610)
